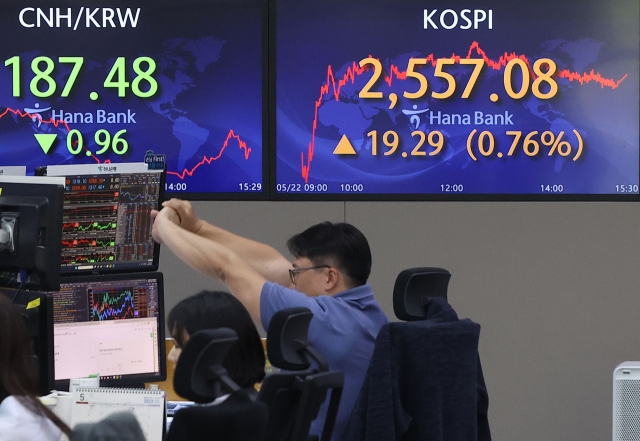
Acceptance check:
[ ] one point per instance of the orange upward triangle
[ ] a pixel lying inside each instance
(344, 147)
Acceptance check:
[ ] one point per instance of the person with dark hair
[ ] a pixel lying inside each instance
(22, 416)
(217, 309)
(329, 273)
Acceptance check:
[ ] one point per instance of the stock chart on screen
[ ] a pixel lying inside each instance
(107, 217)
(87, 83)
(446, 100)
(109, 325)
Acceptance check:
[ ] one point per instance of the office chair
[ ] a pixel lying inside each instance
(415, 287)
(425, 380)
(200, 377)
(294, 398)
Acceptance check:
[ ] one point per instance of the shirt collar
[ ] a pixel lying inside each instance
(357, 293)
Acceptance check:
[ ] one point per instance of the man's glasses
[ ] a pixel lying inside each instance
(293, 272)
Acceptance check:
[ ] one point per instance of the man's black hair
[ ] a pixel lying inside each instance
(218, 309)
(340, 244)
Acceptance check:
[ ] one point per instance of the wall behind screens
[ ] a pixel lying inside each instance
(355, 120)
(116, 79)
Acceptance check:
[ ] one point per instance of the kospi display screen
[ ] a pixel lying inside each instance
(96, 82)
(456, 100)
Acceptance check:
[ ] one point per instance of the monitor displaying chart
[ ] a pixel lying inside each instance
(110, 82)
(111, 326)
(106, 217)
(439, 100)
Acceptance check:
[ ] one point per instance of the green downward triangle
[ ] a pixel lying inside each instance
(45, 140)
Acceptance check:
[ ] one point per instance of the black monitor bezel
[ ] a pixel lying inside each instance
(130, 380)
(46, 198)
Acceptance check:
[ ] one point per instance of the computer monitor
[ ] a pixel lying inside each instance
(111, 325)
(114, 79)
(492, 100)
(107, 217)
(30, 231)
(37, 310)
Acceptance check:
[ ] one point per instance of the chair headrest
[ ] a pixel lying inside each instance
(286, 338)
(199, 375)
(414, 287)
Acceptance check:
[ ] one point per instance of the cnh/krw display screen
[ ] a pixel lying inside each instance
(440, 99)
(95, 82)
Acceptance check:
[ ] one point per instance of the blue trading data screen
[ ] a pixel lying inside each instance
(514, 100)
(98, 82)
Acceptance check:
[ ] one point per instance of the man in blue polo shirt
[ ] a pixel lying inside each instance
(329, 273)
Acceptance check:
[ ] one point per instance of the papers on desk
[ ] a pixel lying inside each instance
(149, 406)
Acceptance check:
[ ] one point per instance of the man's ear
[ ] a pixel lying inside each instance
(332, 279)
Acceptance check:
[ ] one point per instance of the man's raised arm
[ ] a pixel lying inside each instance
(265, 259)
(211, 258)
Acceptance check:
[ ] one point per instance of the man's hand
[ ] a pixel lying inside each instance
(188, 218)
(163, 216)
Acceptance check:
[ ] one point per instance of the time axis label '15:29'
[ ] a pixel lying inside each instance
(43, 85)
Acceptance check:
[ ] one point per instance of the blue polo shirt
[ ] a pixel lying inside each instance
(343, 329)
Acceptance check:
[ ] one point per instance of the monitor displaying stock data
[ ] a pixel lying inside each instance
(96, 83)
(111, 326)
(106, 217)
(446, 100)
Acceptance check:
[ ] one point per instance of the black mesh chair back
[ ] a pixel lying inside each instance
(294, 398)
(200, 377)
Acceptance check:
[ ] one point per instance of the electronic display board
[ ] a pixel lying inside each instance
(484, 100)
(86, 82)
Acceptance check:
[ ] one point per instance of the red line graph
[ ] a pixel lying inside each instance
(205, 160)
(101, 211)
(333, 86)
(75, 243)
(53, 121)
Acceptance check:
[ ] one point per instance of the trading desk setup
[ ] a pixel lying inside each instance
(96, 309)
(106, 110)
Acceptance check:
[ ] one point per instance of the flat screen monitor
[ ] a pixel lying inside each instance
(107, 217)
(30, 231)
(110, 325)
(108, 81)
(440, 100)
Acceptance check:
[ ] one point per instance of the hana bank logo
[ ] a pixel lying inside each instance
(104, 169)
(414, 115)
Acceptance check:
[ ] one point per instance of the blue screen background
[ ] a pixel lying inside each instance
(319, 43)
(206, 116)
